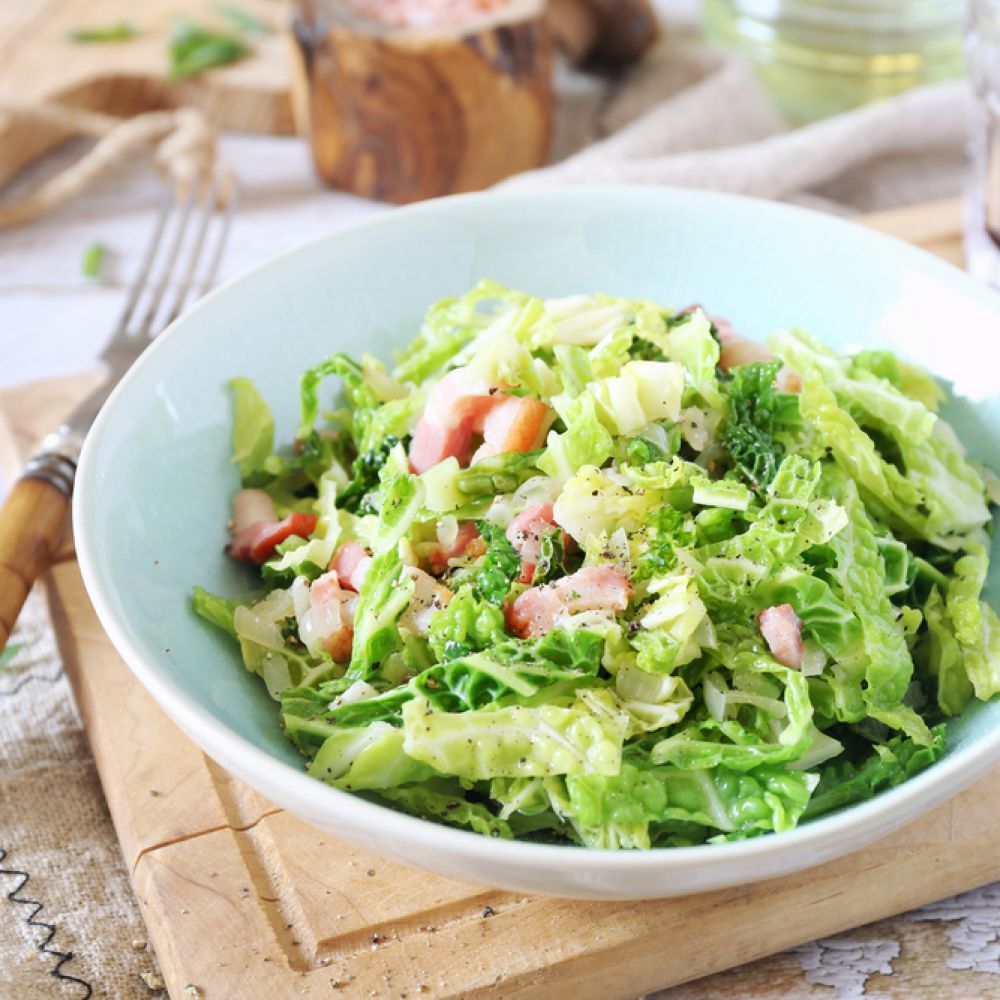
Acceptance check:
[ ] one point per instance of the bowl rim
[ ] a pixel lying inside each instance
(862, 822)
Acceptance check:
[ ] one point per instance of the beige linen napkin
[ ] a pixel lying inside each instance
(69, 923)
(696, 118)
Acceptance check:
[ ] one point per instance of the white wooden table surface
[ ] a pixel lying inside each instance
(53, 322)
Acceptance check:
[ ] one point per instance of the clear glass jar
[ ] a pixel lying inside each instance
(821, 57)
(982, 204)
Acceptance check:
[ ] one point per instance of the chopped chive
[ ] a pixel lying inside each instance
(9, 653)
(242, 19)
(119, 32)
(92, 263)
(194, 49)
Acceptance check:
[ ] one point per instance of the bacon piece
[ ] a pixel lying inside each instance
(526, 532)
(252, 507)
(462, 405)
(592, 588)
(257, 543)
(350, 562)
(741, 351)
(781, 628)
(512, 424)
(433, 443)
(257, 530)
(455, 409)
(438, 556)
(328, 622)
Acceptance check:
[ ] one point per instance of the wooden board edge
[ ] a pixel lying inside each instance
(545, 964)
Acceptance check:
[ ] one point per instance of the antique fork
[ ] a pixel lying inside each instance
(185, 248)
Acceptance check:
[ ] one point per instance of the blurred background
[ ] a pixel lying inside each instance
(325, 111)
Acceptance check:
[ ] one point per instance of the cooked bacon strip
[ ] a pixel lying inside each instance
(781, 628)
(742, 351)
(350, 562)
(328, 622)
(456, 407)
(433, 443)
(513, 424)
(463, 405)
(257, 532)
(592, 588)
(252, 507)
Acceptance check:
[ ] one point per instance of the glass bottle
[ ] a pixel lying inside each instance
(982, 204)
(821, 57)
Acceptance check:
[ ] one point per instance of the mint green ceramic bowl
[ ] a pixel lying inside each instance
(153, 491)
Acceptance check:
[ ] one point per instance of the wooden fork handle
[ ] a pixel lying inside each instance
(31, 525)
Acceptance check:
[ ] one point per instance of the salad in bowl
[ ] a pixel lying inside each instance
(598, 571)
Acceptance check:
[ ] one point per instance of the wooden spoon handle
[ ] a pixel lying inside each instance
(31, 525)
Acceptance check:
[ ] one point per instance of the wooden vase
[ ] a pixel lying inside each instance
(402, 114)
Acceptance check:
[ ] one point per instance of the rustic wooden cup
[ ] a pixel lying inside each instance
(402, 114)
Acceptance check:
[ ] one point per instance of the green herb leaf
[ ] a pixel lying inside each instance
(243, 20)
(92, 263)
(122, 31)
(194, 49)
(8, 654)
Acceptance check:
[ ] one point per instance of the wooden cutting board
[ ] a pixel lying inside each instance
(243, 900)
(38, 62)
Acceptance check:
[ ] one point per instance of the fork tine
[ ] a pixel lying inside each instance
(151, 287)
(159, 287)
(231, 193)
(194, 255)
(139, 282)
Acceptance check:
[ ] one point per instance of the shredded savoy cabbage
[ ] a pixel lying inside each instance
(571, 572)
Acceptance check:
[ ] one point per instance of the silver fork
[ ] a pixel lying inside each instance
(180, 264)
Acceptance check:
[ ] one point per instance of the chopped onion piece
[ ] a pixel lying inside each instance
(537, 489)
(253, 628)
(694, 429)
(813, 660)
(447, 530)
(358, 691)
(300, 596)
(822, 748)
(501, 510)
(715, 693)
